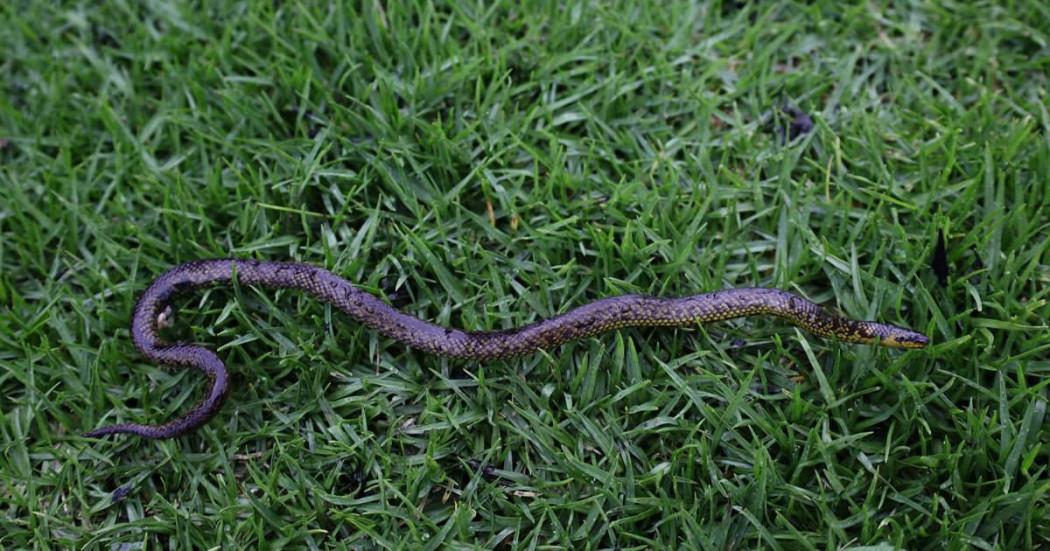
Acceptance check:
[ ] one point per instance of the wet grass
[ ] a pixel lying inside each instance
(485, 165)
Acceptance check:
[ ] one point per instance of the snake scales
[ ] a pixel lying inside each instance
(153, 312)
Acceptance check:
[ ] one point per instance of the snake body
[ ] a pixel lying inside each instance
(153, 311)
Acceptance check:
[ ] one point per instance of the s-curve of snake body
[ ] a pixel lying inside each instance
(153, 311)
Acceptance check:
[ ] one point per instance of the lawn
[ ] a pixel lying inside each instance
(485, 165)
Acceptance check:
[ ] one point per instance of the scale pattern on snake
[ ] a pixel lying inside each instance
(153, 311)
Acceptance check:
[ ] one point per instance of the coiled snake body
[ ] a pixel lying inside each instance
(153, 311)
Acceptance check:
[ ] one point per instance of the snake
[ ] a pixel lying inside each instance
(153, 312)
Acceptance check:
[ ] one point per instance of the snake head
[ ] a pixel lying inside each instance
(904, 338)
(890, 336)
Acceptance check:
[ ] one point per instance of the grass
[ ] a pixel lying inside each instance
(486, 164)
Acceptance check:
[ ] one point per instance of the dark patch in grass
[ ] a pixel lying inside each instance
(796, 124)
(120, 493)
